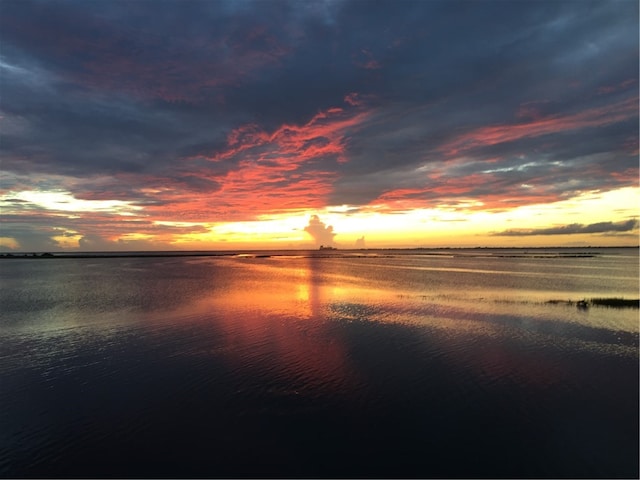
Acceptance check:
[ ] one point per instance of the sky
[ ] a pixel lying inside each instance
(237, 124)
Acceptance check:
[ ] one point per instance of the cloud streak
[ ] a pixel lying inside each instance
(575, 229)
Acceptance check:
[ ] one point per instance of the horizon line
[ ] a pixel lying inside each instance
(9, 253)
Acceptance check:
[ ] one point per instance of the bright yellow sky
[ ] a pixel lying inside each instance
(436, 227)
(432, 227)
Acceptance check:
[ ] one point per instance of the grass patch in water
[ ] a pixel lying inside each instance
(612, 302)
(615, 302)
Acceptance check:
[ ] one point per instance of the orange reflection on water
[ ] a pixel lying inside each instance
(272, 318)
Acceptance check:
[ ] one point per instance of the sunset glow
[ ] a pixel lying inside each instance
(252, 125)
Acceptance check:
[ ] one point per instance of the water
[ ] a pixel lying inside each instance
(448, 363)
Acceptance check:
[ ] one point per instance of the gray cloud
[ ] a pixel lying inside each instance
(575, 228)
(95, 243)
(126, 99)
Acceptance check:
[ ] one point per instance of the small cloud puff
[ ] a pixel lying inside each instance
(321, 233)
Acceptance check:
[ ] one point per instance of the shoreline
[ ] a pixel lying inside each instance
(523, 252)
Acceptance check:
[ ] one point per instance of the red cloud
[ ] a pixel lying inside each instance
(290, 168)
(352, 99)
(493, 135)
(485, 191)
(293, 144)
(459, 196)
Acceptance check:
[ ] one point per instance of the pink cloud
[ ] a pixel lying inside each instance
(493, 135)
(291, 168)
(292, 145)
(365, 59)
(607, 89)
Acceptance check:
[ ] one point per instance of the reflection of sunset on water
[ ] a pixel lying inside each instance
(279, 324)
(320, 364)
(286, 317)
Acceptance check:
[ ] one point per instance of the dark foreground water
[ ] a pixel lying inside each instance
(400, 364)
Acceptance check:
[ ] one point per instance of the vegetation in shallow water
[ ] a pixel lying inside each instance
(612, 302)
(616, 302)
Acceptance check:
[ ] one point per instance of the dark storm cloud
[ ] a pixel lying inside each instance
(575, 228)
(430, 101)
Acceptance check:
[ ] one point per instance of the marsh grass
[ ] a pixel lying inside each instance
(611, 302)
(615, 302)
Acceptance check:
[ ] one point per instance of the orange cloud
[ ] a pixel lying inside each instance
(291, 168)
(293, 144)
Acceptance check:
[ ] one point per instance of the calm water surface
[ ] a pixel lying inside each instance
(448, 363)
